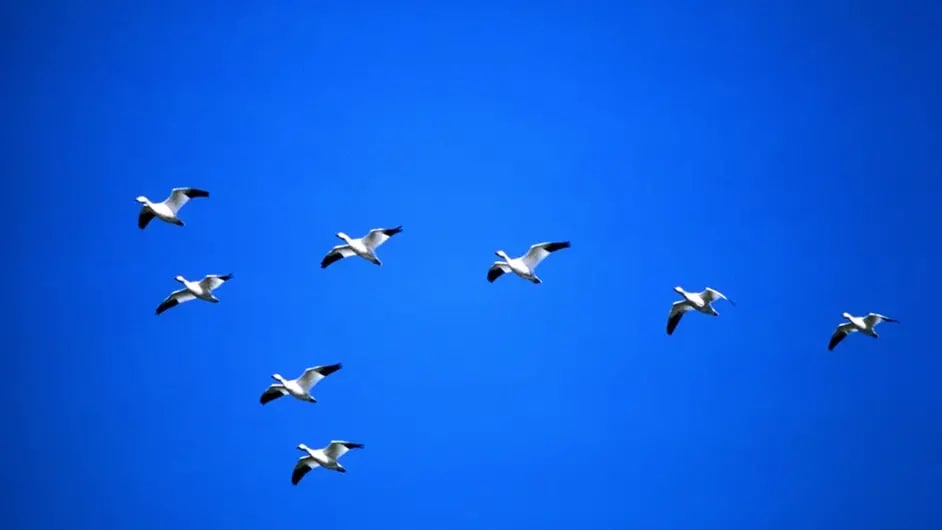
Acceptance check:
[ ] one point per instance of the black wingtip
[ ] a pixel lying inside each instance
(226, 277)
(494, 273)
(835, 340)
(553, 247)
(196, 192)
(330, 259)
(165, 306)
(330, 368)
(393, 231)
(672, 323)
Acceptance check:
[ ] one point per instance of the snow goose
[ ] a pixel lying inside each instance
(365, 247)
(701, 302)
(202, 289)
(299, 388)
(864, 325)
(327, 458)
(524, 266)
(167, 209)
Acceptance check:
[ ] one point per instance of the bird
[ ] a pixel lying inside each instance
(524, 266)
(365, 247)
(701, 302)
(202, 289)
(327, 457)
(167, 209)
(299, 388)
(864, 325)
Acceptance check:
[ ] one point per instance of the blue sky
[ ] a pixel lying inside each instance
(788, 155)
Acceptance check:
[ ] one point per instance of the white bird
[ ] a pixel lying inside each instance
(167, 209)
(327, 458)
(299, 388)
(365, 247)
(701, 302)
(202, 289)
(864, 325)
(524, 266)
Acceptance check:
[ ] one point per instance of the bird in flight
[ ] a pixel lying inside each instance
(167, 209)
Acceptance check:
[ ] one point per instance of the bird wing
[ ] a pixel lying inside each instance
(539, 251)
(875, 318)
(336, 254)
(213, 281)
(272, 393)
(710, 294)
(304, 465)
(842, 331)
(378, 236)
(175, 298)
(180, 196)
(338, 448)
(312, 376)
(678, 309)
(497, 270)
(144, 217)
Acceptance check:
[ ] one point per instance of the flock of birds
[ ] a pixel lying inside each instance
(365, 247)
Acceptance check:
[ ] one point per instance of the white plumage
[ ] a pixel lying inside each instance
(701, 302)
(365, 247)
(524, 266)
(299, 388)
(167, 209)
(854, 324)
(202, 289)
(328, 458)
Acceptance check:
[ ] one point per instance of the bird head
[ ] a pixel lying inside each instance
(343, 236)
(678, 289)
(846, 315)
(502, 254)
(141, 199)
(180, 279)
(303, 447)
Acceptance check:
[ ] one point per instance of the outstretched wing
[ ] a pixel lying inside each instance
(175, 298)
(678, 309)
(540, 251)
(304, 465)
(338, 448)
(144, 217)
(180, 196)
(842, 331)
(336, 254)
(497, 270)
(272, 393)
(212, 281)
(378, 236)
(710, 294)
(875, 318)
(312, 376)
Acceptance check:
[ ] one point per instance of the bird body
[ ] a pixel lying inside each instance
(299, 388)
(167, 209)
(364, 247)
(524, 266)
(202, 290)
(856, 324)
(327, 457)
(701, 302)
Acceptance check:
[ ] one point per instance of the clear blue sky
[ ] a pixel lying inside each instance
(786, 153)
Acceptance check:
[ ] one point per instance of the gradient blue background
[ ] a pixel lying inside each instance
(787, 154)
